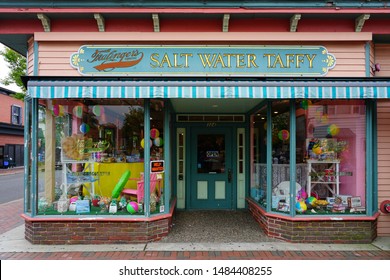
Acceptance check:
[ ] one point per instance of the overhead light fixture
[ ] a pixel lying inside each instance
(376, 67)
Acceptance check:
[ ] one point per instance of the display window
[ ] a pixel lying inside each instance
(329, 138)
(258, 187)
(95, 157)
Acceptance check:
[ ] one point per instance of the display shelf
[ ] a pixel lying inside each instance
(71, 178)
(326, 173)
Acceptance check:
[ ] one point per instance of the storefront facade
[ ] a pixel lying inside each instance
(288, 123)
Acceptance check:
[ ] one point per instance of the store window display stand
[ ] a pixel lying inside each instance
(323, 174)
(75, 178)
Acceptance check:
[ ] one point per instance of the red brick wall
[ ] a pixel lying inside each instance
(5, 108)
(107, 231)
(11, 140)
(323, 230)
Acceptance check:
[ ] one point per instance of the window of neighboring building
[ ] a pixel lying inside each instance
(16, 115)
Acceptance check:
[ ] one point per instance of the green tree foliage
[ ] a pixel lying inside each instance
(17, 66)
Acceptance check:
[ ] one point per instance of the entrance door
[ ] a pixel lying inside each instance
(211, 185)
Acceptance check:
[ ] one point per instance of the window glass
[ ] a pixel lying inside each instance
(211, 153)
(92, 150)
(281, 201)
(333, 149)
(157, 164)
(16, 115)
(258, 136)
(28, 154)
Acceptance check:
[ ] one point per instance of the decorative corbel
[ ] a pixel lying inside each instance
(225, 23)
(45, 22)
(100, 22)
(156, 23)
(294, 22)
(359, 22)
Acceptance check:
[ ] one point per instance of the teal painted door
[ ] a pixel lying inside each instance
(211, 176)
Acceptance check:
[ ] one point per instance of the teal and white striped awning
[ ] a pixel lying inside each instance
(209, 89)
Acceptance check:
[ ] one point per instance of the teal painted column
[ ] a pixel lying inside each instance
(375, 154)
(147, 157)
(369, 158)
(367, 48)
(167, 157)
(34, 156)
(293, 157)
(36, 59)
(27, 122)
(269, 156)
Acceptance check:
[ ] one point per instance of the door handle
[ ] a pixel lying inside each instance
(230, 175)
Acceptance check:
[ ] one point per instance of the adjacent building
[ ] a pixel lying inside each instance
(11, 130)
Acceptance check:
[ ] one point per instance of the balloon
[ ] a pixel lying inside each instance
(284, 135)
(143, 143)
(97, 110)
(56, 110)
(84, 128)
(78, 111)
(62, 111)
(305, 104)
(154, 133)
(158, 142)
(317, 150)
(333, 130)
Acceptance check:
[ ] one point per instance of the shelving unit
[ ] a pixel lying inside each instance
(317, 168)
(77, 178)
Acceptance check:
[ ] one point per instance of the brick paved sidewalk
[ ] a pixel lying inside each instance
(10, 215)
(201, 255)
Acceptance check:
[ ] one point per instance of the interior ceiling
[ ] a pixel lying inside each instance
(214, 106)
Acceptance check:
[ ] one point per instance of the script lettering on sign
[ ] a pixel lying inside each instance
(203, 60)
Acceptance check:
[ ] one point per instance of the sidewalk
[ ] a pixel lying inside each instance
(14, 170)
(13, 246)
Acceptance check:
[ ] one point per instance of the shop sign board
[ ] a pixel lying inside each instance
(249, 61)
(157, 166)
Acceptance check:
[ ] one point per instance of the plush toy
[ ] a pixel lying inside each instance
(301, 194)
(122, 203)
(311, 201)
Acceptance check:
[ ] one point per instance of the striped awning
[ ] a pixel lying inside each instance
(209, 89)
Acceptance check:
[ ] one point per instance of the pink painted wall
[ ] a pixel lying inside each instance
(382, 56)
(54, 56)
(383, 163)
